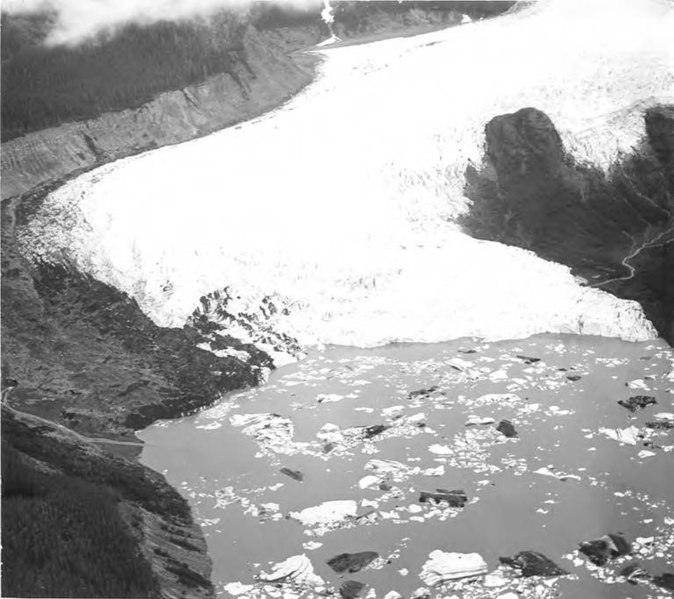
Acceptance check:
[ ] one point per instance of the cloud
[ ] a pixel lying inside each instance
(78, 20)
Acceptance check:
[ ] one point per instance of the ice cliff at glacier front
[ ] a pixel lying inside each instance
(340, 206)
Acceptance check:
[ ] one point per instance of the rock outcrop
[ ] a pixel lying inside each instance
(84, 354)
(615, 229)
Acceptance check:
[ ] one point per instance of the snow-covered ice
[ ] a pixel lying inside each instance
(341, 205)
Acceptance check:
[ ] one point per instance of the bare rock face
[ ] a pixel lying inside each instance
(615, 229)
(660, 132)
(82, 353)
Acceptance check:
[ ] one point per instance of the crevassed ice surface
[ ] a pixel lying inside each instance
(341, 204)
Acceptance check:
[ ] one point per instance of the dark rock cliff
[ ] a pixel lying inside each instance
(615, 229)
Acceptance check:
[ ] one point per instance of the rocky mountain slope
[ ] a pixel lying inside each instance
(82, 354)
(614, 228)
(80, 360)
(85, 355)
(63, 113)
(262, 78)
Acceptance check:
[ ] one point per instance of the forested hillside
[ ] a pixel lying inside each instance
(79, 523)
(46, 86)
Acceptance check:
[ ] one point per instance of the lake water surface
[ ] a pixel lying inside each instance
(566, 477)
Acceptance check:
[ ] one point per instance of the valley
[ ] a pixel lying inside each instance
(291, 268)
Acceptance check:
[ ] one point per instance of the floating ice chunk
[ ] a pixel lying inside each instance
(496, 398)
(477, 420)
(328, 512)
(420, 417)
(311, 545)
(271, 431)
(549, 471)
(442, 566)
(644, 453)
(666, 416)
(297, 569)
(493, 580)
(237, 588)
(440, 449)
(622, 435)
(368, 481)
(393, 410)
(209, 427)
(638, 384)
(439, 471)
(459, 364)
(395, 469)
(328, 397)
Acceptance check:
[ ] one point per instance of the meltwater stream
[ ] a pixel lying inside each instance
(373, 428)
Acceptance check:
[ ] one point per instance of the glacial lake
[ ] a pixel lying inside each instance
(373, 428)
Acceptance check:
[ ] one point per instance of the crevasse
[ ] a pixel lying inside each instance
(341, 205)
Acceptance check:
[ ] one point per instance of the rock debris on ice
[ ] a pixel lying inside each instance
(369, 252)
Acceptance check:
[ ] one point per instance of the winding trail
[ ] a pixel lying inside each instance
(655, 242)
(69, 431)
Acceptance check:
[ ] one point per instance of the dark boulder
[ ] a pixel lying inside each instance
(529, 359)
(374, 430)
(608, 547)
(352, 562)
(294, 474)
(456, 498)
(422, 392)
(352, 589)
(666, 581)
(532, 563)
(506, 428)
(633, 573)
(638, 402)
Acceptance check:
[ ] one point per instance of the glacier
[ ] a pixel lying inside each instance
(341, 205)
